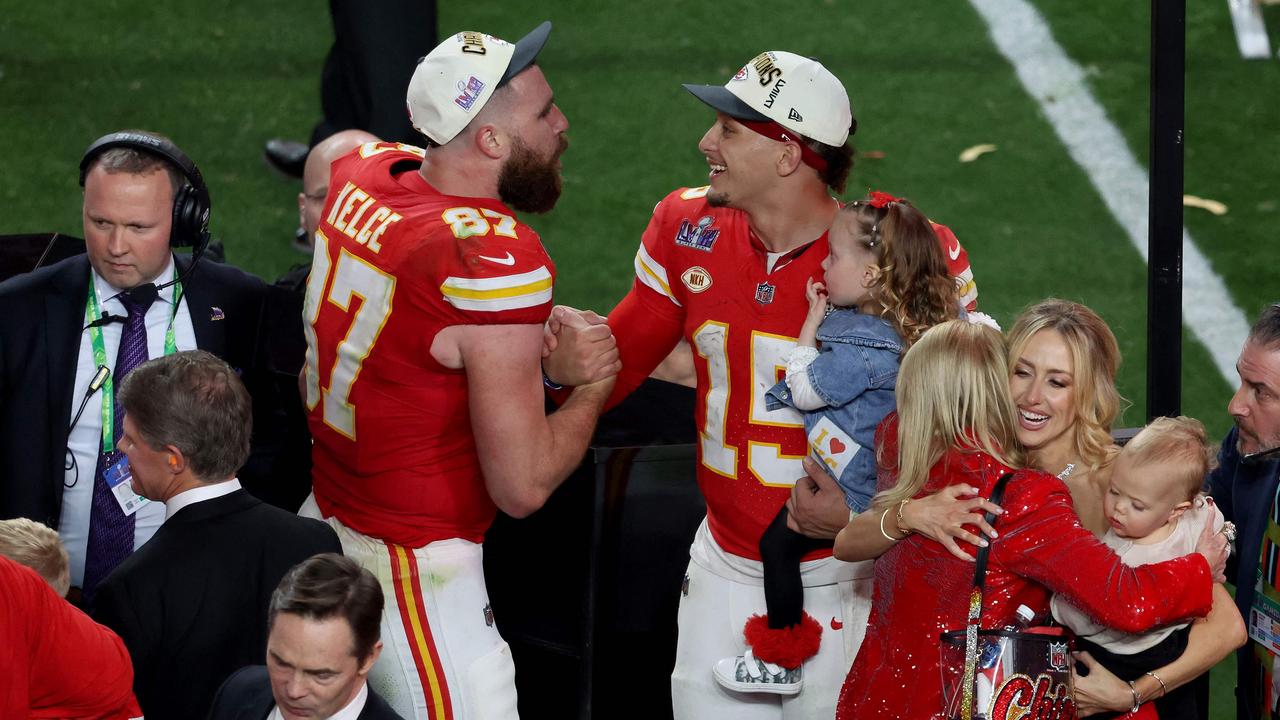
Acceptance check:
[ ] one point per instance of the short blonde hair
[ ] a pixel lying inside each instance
(1182, 443)
(953, 392)
(37, 546)
(1095, 357)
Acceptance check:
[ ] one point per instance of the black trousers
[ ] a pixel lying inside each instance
(1183, 703)
(780, 550)
(376, 47)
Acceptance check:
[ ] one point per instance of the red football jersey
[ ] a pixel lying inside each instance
(396, 262)
(701, 273)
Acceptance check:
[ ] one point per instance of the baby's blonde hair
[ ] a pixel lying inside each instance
(37, 546)
(1182, 443)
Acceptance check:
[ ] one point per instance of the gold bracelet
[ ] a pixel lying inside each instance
(1163, 689)
(1137, 699)
(898, 516)
(886, 535)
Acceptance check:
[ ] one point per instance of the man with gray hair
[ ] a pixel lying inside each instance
(1245, 486)
(191, 604)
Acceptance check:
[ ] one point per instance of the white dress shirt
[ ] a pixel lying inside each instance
(351, 711)
(199, 494)
(86, 437)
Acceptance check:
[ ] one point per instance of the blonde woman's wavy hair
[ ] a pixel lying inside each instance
(1095, 359)
(953, 392)
(913, 282)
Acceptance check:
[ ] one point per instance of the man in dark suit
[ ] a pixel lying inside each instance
(142, 196)
(324, 639)
(191, 604)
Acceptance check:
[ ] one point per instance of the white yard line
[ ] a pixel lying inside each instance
(1057, 83)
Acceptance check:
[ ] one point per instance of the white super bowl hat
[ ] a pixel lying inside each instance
(791, 90)
(455, 80)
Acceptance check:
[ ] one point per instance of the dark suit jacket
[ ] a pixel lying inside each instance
(1244, 494)
(246, 695)
(191, 604)
(41, 319)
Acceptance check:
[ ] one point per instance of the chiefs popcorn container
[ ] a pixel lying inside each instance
(1020, 675)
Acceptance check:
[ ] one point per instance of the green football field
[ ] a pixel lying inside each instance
(926, 79)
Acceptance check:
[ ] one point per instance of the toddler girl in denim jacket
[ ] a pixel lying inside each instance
(885, 282)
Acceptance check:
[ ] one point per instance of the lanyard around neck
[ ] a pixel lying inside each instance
(100, 355)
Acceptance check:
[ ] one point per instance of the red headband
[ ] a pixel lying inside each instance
(774, 131)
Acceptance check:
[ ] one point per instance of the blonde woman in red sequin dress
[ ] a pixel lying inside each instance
(956, 427)
(1063, 360)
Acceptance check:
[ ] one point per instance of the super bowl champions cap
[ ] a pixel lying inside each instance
(455, 80)
(791, 90)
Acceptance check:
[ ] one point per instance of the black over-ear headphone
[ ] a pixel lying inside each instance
(191, 203)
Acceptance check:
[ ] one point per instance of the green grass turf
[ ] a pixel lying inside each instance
(221, 78)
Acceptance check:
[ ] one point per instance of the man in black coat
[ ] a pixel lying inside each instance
(133, 193)
(191, 604)
(1244, 486)
(324, 639)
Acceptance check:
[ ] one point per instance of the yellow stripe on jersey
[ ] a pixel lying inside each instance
(651, 274)
(968, 288)
(507, 292)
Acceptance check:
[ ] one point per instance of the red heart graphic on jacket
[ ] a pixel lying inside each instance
(837, 447)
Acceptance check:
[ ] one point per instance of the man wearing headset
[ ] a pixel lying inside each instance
(59, 325)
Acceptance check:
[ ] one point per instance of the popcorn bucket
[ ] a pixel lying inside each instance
(1019, 675)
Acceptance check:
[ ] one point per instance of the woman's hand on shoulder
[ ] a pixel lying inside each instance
(941, 517)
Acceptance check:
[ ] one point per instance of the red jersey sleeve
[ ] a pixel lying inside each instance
(648, 321)
(495, 280)
(958, 264)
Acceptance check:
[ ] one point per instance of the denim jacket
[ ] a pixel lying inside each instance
(855, 373)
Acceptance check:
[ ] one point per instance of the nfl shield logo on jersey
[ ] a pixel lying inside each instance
(764, 293)
(699, 237)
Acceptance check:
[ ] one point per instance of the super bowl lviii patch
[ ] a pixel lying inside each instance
(699, 237)
(831, 446)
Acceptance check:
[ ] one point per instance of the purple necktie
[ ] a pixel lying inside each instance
(110, 530)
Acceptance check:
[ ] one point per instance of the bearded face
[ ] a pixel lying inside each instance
(529, 182)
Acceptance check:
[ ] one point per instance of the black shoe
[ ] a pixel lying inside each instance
(286, 156)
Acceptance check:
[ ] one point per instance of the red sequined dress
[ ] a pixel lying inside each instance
(922, 590)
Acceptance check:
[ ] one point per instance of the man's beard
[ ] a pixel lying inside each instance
(717, 199)
(1261, 444)
(528, 183)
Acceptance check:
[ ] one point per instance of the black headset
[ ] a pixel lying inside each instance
(190, 226)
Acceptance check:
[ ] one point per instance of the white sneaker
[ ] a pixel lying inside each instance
(748, 673)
